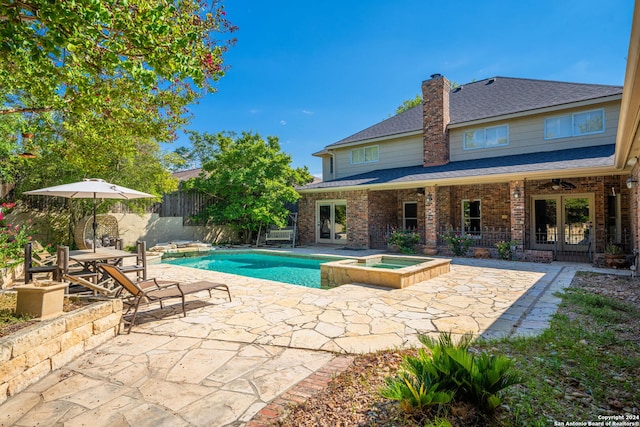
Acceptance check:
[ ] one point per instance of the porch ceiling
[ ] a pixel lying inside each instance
(589, 161)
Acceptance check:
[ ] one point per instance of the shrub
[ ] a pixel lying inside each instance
(613, 249)
(450, 371)
(12, 241)
(459, 245)
(404, 240)
(504, 249)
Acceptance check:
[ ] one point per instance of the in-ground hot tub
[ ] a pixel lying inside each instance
(391, 271)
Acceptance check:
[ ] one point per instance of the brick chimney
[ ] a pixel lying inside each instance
(435, 118)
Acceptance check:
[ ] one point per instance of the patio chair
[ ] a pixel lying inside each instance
(140, 267)
(67, 270)
(153, 290)
(37, 264)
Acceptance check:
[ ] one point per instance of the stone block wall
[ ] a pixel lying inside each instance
(33, 352)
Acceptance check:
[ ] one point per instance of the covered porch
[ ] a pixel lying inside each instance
(567, 219)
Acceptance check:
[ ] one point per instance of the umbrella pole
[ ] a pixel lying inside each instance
(95, 222)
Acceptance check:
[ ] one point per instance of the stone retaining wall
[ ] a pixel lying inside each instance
(33, 352)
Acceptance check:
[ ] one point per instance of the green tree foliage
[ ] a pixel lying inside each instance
(250, 180)
(96, 81)
(409, 104)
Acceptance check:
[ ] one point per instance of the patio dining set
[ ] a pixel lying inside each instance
(82, 267)
(103, 271)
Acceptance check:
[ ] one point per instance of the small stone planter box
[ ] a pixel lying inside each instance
(33, 352)
(42, 300)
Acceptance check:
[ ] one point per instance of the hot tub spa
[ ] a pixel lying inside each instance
(390, 271)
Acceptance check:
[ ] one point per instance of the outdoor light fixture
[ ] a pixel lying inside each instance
(516, 193)
(631, 183)
(429, 198)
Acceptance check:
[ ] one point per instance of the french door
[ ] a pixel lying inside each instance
(562, 222)
(331, 224)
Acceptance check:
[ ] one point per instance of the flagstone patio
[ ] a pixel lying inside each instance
(226, 361)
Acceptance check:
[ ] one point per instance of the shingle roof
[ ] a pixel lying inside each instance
(187, 174)
(487, 98)
(583, 158)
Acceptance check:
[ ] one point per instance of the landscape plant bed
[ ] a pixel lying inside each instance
(582, 369)
(10, 322)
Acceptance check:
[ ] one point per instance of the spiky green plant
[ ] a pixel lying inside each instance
(445, 371)
(415, 386)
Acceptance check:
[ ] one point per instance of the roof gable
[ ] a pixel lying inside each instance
(494, 97)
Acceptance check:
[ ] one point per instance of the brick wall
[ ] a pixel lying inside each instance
(383, 212)
(357, 216)
(495, 204)
(31, 353)
(435, 118)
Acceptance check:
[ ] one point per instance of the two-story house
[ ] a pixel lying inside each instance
(530, 161)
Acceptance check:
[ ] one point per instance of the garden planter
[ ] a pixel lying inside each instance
(42, 300)
(615, 260)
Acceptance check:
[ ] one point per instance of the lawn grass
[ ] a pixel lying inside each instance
(586, 365)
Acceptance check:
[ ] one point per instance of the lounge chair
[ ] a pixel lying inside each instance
(96, 287)
(153, 290)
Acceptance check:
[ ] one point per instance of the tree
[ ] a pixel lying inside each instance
(250, 181)
(92, 76)
(409, 104)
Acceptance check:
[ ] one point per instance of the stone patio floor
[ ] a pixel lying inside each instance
(240, 363)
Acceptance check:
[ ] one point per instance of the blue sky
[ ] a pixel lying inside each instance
(312, 73)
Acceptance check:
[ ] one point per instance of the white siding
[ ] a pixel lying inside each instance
(393, 153)
(526, 135)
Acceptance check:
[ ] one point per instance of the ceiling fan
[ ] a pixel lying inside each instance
(558, 184)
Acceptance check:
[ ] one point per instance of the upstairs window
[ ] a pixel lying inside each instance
(584, 123)
(490, 137)
(364, 155)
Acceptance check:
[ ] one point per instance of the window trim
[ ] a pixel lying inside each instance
(572, 115)
(364, 154)
(464, 230)
(484, 130)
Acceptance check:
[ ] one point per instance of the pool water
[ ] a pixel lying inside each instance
(303, 271)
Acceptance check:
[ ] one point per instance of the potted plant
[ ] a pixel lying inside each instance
(614, 256)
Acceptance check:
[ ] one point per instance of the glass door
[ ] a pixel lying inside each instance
(331, 226)
(562, 222)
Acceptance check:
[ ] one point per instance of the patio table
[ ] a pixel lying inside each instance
(89, 259)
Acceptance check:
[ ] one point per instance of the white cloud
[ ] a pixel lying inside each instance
(307, 112)
(283, 122)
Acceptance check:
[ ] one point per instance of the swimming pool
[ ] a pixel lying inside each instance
(296, 270)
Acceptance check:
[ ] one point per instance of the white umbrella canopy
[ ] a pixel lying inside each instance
(90, 188)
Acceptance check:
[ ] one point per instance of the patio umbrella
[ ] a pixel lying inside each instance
(90, 188)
